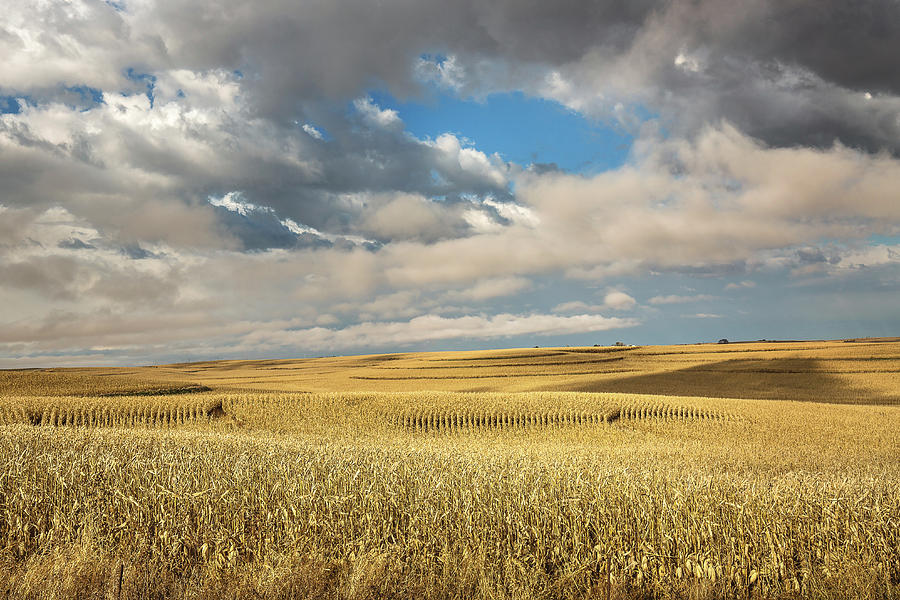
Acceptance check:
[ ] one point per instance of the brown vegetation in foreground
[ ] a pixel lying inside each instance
(246, 491)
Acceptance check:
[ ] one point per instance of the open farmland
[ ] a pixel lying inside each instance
(740, 470)
(863, 372)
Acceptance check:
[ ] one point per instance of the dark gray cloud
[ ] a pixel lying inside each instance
(55, 277)
(292, 53)
(851, 44)
(790, 72)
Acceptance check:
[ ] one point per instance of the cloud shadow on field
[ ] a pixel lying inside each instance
(801, 379)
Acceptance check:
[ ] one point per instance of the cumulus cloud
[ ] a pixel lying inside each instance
(740, 285)
(679, 299)
(575, 306)
(446, 72)
(463, 162)
(375, 115)
(412, 217)
(146, 172)
(614, 300)
(723, 192)
(514, 213)
(491, 288)
(619, 301)
(872, 256)
(431, 328)
(250, 338)
(312, 131)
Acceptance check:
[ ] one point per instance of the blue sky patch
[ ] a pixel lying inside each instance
(84, 97)
(884, 240)
(520, 128)
(9, 105)
(147, 79)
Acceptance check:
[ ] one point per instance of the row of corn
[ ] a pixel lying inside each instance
(462, 420)
(123, 411)
(429, 411)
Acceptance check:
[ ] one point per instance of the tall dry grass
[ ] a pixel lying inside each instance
(492, 522)
(346, 500)
(259, 490)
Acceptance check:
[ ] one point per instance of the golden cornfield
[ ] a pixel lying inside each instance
(286, 479)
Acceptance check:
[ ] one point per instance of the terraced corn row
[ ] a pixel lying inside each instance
(468, 420)
(298, 412)
(424, 410)
(465, 420)
(640, 412)
(124, 411)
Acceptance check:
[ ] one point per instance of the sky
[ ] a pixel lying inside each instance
(193, 180)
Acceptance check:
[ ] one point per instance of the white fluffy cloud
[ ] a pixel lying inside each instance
(490, 288)
(376, 116)
(740, 285)
(457, 158)
(412, 217)
(680, 299)
(619, 301)
(430, 328)
(311, 130)
(614, 300)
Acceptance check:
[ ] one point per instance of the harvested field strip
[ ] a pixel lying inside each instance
(242, 380)
(741, 351)
(59, 382)
(793, 371)
(487, 376)
(862, 358)
(508, 365)
(506, 357)
(600, 349)
(163, 391)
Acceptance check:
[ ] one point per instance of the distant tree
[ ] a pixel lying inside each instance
(723, 341)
